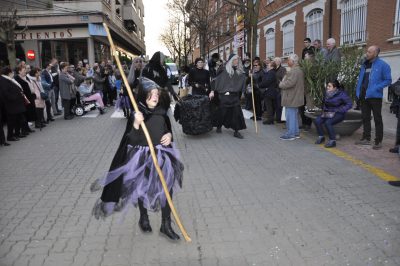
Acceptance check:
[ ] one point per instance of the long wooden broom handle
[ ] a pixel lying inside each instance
(146, 133)
(251, 80)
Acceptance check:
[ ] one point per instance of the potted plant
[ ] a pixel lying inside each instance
(317, 72)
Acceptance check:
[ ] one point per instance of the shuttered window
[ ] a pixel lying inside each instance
(270, 42)
(397, 20)
(288, 37)
(353, 21)
(314, 24)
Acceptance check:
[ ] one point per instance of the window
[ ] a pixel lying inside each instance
(353, 21)
(397, 20)
(227, 25)
(258, 43)
(270, 43)
(314, 24)
(288, 37)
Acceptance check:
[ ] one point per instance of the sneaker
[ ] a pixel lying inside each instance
(267, 122)
(306, 128)
(297, 136)
(257, 118)
(377, 145)
(330, 144)
(285, 137)
(363, 142)
(394, 150)
(321, 139)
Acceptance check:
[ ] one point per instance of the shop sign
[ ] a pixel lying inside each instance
(52, 34)
(30, 54)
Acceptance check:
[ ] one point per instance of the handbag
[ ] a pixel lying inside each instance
(44, 96)
(328, 114)
(26, 101)
(283, 115)
(395, 87)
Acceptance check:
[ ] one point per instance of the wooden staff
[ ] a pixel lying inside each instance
(146, 133)
(251, 80)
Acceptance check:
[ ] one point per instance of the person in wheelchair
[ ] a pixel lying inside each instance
(87, 94)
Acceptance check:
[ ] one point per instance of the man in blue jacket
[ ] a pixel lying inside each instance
(375, 75)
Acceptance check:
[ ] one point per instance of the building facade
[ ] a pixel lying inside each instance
(72, 31)
(283, 25)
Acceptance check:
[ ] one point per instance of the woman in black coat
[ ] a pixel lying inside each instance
(2, 137)
(199, 79)
(30, 114)
(12, 94)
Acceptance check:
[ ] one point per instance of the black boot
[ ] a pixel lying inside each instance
(167, 230)
(144, 223)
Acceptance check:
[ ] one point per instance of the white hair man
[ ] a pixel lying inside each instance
(333, 53)
(292, 87)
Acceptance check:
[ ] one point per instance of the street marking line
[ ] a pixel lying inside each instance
(372, 169)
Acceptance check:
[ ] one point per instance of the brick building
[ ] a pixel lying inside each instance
(283, 25)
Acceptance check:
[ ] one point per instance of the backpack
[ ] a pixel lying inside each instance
(395, 87)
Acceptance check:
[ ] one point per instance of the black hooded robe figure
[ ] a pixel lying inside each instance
(132, 178)
(229, 85)
(155, 71)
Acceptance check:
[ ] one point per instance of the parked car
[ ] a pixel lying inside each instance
(173, 73)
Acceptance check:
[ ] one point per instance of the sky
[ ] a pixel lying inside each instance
(155, 20)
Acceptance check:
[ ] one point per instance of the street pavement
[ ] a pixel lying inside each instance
(256, 201)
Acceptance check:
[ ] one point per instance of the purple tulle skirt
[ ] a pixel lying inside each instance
(141, 180)
(122, 102)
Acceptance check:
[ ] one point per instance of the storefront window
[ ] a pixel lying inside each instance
(77, 51)
(101, 52)
(71, 51)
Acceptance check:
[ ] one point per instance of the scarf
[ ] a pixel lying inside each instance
(330, 94)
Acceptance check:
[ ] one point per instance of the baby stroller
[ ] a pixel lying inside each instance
(82, 107)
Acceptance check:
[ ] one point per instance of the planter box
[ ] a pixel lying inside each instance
(352, 121)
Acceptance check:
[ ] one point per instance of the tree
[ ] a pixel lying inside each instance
(176, 35)
(251, 11)
(8, 22)
(200, 19)
(318, 71)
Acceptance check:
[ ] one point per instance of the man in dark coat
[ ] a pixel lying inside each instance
(67, 91)
(13, 98)
(308, 48)
(55, 72)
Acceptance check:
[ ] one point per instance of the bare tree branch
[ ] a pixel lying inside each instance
(8, 23)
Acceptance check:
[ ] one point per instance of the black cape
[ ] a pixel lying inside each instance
(157, 123)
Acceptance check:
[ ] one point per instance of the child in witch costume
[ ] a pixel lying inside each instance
(132, 177)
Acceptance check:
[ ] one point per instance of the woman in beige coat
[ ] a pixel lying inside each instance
(34, 76)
